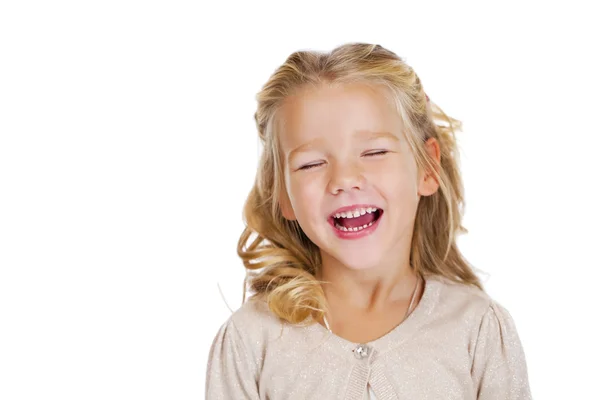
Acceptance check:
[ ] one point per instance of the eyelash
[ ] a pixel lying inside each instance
(374, 153)
(378, 152)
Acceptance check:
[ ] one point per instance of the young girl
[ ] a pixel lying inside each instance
(359, 288)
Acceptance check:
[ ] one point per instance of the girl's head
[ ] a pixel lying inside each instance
(342, 149)
(349, 129)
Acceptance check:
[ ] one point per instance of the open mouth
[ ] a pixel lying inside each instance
(356, 220)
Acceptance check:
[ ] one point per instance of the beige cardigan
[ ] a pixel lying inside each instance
(458, 343)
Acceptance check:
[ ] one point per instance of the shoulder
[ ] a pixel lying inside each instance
(449, 292)
(469, 315)
(464, 301)
(255, 315)
(252, 326)
(470, 306)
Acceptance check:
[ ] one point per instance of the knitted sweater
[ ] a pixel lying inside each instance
(458, 343)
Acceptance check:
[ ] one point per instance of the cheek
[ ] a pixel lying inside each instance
(398, 181)
(305, 195)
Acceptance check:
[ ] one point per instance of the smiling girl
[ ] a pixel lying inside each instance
(359, 288)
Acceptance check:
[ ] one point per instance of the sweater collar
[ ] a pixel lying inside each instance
(397, 335)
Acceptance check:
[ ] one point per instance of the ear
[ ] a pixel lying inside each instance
(428, 184)
(286, 206)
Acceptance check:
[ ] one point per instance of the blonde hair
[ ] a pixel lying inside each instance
(280, 260)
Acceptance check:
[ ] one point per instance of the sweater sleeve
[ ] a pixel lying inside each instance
(231, 373)
(499, 369)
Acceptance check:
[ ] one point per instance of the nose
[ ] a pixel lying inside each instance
(345, 177)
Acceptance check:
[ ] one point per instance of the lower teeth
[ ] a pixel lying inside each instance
(355, 229)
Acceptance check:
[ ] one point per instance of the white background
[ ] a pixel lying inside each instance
(127, 147)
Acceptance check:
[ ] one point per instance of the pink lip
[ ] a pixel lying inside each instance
(353, 207)
(358, 234)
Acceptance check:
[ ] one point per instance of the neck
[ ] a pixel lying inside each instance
(371, 290)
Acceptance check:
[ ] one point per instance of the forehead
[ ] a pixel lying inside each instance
(336, 111)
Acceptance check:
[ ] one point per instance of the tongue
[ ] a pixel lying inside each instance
(356, 222)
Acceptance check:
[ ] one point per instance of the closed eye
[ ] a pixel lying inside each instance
(377, 153)
(309, 166)
(373, 153)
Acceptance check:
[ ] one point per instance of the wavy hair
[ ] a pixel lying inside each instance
(280, 260)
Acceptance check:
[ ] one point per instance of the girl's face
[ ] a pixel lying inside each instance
(344, 155)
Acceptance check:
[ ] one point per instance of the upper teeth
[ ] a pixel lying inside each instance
(355, 213)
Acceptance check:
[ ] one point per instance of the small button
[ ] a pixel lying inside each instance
(361, 351)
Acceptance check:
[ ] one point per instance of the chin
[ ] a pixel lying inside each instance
(357, 261)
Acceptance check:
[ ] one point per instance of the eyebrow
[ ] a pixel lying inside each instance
(367, 136)
(376, 135)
